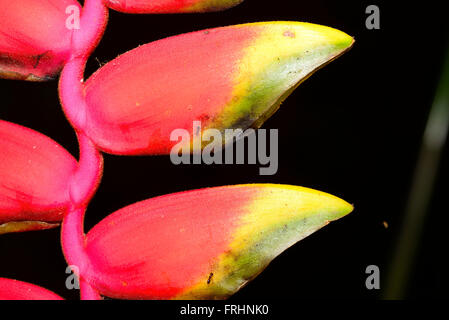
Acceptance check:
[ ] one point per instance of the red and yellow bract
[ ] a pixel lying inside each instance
(202, 244)
(231, 77)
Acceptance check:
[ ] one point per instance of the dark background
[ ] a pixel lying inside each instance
(353, 129)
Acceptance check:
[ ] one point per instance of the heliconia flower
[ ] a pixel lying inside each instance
(34, 38)
(170, 6)
(226, 78)
(34, 174)
(202, 244)
(18, 290)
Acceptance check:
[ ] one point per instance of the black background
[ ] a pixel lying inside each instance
(353, 130)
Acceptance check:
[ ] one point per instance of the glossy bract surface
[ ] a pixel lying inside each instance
(34, 175)
(34, 38)
(202, 244)
(226, 78)
(18, 290)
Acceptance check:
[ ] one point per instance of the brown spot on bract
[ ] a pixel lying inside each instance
(210, 277)
(289, 33)
(40, 57)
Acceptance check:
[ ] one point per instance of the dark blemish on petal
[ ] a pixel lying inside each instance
(6, 60)
(39, 57)
(289, 33)
(210, 277)
(206, 32)
(204, 117)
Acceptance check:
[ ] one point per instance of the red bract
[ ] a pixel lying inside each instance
(34, 38)
(18, 290)
(170, 6)
(202, 244)
(231, 77)
(34, 171)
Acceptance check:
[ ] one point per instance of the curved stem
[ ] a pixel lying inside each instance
(73, 240)
(82, 187)
(93, 22)
(87, 292)
(92, 25)
(71, 92)
(86, 179)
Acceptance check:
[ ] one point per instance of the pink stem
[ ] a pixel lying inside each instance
(73, 240)
(71, 92)
(88, 175)
(87, 292)
(92, 25)
(82, 187)
(93, 22)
